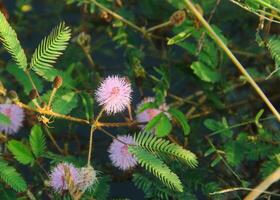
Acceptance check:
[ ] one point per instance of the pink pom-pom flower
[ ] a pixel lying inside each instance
(58, 176)
(114, 94)
(119, 154)
(148, 114)
(16, 116)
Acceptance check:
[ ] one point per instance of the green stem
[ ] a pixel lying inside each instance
(238, 125)
(93, 127)
(164, 24)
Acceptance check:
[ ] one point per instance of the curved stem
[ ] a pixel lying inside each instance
(219, 41)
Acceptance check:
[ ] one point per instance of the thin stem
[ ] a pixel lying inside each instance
(53, 140)
(224, 161)
(238, 125)
(164, 24)
(130, 113)
(30, 195)
(34, 101)
(118, 124)
(219, 41)
(111, 135)
(241, 188)
(201, 100)
(260, 15)
(201, 39)
(51, 97)
(117, 16)
(93, 127)
(33, 84)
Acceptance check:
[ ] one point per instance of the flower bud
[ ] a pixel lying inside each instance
(178, 17)
(57, 82)
(87, 177)
(13, 95)
(33, 94)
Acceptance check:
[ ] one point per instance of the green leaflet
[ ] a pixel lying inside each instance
(205, 73)
(87, 101)
(156, 167)
(10, 176)
(180, 37)
(163, 127)
(151, 124)
(154, 144)
(181, 118)
(50, 48)
(37, 141)
(21, 152)
(10, 41)
(273, 46)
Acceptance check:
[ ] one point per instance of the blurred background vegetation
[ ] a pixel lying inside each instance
(233, 133)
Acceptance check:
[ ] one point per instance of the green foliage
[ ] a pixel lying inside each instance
(153, 189)
(161, 124)
(163, 127)
(37, 141)
(270, 165)
(180, 37)
(154, 165)
(23, 79)
(273, 45)
(151, 124)
(11, 177)
(88, 105)
(181, 119)
(64, 101)
(9, 38)
(50, 49)
(101, 189)
(21, 152)
(153, 144)
(205, 73)
(179, 65)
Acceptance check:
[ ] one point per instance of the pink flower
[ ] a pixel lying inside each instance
(119, 154)
(16, 115)
(148, 114)
(114, 94)
(57, 176)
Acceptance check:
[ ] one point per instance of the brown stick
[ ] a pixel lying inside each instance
(272, 178)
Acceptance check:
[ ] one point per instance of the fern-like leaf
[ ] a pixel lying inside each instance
(20, 152)
(50, 49)
(156, 167)
(37, 141)
(273, 45)
(10, 176)
(153, 144)
(10, 41)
